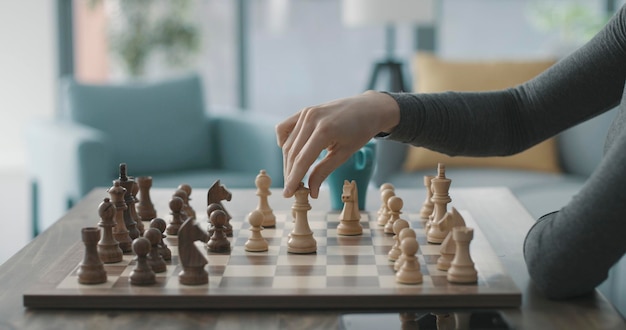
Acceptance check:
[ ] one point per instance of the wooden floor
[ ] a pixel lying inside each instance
(15, 214)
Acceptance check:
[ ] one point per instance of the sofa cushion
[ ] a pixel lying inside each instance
(146, 122)
(433, 74)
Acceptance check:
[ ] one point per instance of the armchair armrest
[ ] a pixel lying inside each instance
(64, 161)
(247, 142)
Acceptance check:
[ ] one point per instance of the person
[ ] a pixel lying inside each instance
(568, 252)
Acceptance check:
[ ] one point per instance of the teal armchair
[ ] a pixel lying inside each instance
(161, 129)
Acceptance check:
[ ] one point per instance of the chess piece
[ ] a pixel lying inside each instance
(142, 274)
(138, 220)
(350, 216)
(145, 208)
(256, 242)
(382, 188)
(394, 205)
(409, 272)
(440, 186)
(191, 259)
(182, 194)
(188, 209)
(160, 224)
(395, 251)
(209, 209)
(155, 260)
(129, 211)
(301, 237)
(404, 233)
(427, 206)
(448, 246)
(120, 232)
(218, 241)
(178, 217)
(108, 248)
(91, 270)
(462, 267)
(216, 194)
(263, 183)
(384, 198)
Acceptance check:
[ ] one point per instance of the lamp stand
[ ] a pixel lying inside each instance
(390, 67)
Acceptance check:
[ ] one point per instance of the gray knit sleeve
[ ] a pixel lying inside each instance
(569, 252)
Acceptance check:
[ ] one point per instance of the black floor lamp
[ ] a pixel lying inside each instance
(388, 13)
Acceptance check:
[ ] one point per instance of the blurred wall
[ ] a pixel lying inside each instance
(27, 71)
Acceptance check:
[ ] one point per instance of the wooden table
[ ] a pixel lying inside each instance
(501, 217)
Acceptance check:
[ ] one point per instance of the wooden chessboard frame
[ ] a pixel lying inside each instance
(495, 288)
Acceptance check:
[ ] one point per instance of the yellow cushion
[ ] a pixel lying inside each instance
(436, 75)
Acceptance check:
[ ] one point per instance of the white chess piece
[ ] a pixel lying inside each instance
(395, 251)
(301, 237)
(462, 267)
(440, 186)
(350, 216)
(404, 233)
(448, 247)
(409, 272)
(256, 242)
(263, 183)
(394, 205)
(384, 213)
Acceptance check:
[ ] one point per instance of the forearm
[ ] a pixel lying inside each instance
(582, 85)
(570, 252)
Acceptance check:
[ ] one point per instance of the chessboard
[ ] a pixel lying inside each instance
(345, 273)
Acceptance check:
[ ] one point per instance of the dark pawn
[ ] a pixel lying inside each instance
(178, 217)
(142, 274)
(108, 248)
(154, 257)
(91, 270)
(160, 224)
(218, 241)
(209, 209)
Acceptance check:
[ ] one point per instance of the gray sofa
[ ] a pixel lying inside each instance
(580, 150)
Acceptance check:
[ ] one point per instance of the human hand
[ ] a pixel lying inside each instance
(341, 127)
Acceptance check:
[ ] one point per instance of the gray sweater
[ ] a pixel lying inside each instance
(568, 252)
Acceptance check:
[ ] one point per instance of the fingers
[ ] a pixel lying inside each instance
(284, 129)
(302, 158)
(322, 170)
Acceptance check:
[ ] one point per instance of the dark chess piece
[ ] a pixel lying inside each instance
(160, 224)
(191, 259)
(130, 220)
(178, 217)
(134, 215)
(120, 232)
(91, 270)
(142, 274)
(188, 209)
(154, 257)
(209, 209)
(108, 248)
(218, 241)
(145, 208)
(216, 194)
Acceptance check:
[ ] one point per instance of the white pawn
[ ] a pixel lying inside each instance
(383, 216)
(263, 183)
(395, 251)
(409, 272)
(256, 242)
(394, 204)
(404, 233)
(462, 267)
(382, 188)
